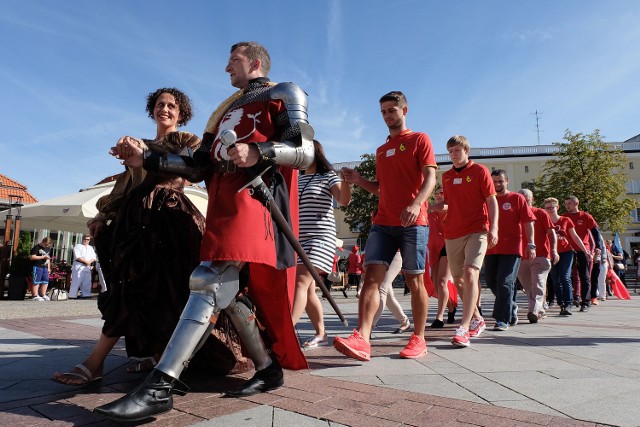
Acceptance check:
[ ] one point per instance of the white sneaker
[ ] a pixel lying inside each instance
(403, 326)
(46, 297)
(37, 298)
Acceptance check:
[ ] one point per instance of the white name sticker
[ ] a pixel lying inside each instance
(457, 180)
(391, 152)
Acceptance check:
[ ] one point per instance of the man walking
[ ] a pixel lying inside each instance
(405, 177)
(245, 262)
(471, 227)
(503, 260)
(587, 229)
(533, 272)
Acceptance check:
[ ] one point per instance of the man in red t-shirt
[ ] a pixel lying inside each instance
(587, 229)
(405, 177)
(533, 272)
(503, 260)
(470, 227)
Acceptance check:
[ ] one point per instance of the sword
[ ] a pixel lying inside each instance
(261, 192)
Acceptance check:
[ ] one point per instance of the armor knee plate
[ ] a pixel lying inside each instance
(220, 280)
(213, 286)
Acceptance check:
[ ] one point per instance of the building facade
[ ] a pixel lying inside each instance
(523, 165)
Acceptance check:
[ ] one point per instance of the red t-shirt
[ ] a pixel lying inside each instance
(466, 192)
(513, 211)
(562, 226)
(399, 164)
(583, 223)
(540, 229)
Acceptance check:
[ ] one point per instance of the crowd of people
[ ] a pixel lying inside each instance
(475, 222)
(176, 281)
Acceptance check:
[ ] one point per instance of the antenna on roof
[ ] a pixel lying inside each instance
(537, 114)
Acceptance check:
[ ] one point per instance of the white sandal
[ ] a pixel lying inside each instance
(315, 341)
(85, 376)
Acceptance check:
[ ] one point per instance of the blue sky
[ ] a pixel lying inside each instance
(74, 74)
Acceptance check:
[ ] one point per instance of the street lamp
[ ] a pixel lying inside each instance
(10, 244)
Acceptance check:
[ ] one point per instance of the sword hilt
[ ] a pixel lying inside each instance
(228, 137)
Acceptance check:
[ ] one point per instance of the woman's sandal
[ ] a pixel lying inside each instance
(80, 376)
(144, 365)
(315, 341)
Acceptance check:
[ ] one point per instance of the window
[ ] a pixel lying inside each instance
(635, 215)
(526, 169)
(356, 228)
(630, 165)
(528, 184)
(633, 186)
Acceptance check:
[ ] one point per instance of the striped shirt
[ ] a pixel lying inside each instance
(316, 204)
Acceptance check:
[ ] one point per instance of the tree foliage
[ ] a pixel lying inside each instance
(358, 212)
(21, 263)
(594, 172)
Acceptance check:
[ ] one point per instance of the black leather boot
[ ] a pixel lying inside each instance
(269, 378)
(152, 397)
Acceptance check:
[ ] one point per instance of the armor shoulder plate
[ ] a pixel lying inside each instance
(294, 98)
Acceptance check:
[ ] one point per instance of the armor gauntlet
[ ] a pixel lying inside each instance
(296, 148)
(188, 164)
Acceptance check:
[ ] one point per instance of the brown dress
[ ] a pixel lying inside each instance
(149, 249)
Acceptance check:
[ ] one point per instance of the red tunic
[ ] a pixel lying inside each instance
(239, 228)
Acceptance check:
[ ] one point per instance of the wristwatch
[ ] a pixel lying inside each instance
(531, 246)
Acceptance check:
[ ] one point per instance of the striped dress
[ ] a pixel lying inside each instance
(317, 223)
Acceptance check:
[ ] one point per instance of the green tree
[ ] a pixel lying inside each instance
(363, 203)
(594, 172)
(21, 263)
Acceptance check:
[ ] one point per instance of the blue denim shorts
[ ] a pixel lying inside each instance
(40, 275)
(384, 241)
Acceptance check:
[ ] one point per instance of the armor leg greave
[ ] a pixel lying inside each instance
(243, 319)
(213, 286)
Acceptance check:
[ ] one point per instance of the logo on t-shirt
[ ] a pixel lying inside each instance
(468, 178)
(506, 206)
(402, 147)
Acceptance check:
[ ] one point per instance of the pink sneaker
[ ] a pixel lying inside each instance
(477, 327)
(355, 346)
(417, 347)
(461, 338)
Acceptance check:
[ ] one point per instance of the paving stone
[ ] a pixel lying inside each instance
(591, 352)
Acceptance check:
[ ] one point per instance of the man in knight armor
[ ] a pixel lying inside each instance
(246, 269)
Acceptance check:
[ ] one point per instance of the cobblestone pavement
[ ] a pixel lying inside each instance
(578, 371)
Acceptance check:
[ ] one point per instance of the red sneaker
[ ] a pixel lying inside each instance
(461, 338)
(355, 346)
(477, 327)
(417, 347)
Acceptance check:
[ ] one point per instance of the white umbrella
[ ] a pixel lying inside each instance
(71, 212)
